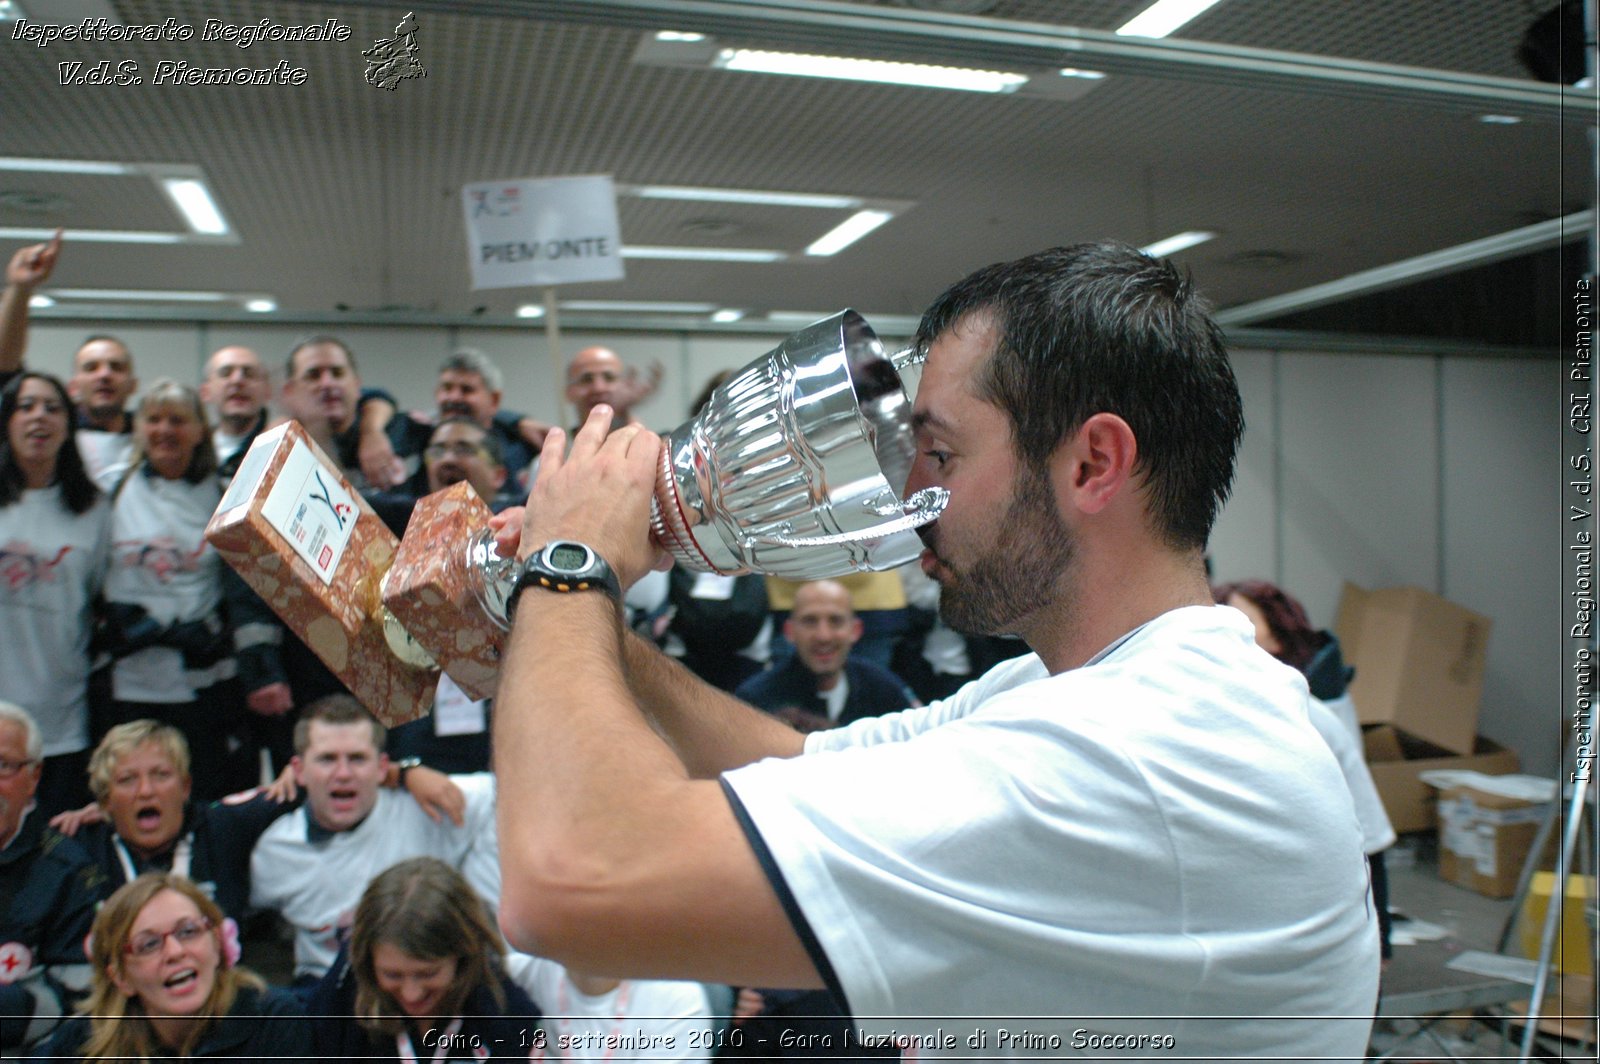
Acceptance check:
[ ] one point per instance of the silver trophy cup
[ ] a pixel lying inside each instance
(793, 469)
(796, 465)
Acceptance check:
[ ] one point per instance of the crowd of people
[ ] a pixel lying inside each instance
(146, 693)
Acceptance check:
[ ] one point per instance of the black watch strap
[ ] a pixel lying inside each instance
(404, 765)
(564, 567)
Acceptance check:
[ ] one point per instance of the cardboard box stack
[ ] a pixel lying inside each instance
(1487, 826)
(1419, 663)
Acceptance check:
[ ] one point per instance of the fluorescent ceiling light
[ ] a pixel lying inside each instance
(1176, 243)
(141, 295)
(803, 316)
(194, 200)
(64, 166)
(261, 306)
(104, 236)
(875, 70)
(39, 302)
(743, 195)
(530, 310)
(1163, 17)
(636, 307)
(1500, 120)
(848, 232)
(643, 251)
(1086, 75)
(679, 36)
(726, 315)
(184, 185)
(9, 11)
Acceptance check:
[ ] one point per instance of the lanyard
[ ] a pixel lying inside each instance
(408, 1055)
(180, 857)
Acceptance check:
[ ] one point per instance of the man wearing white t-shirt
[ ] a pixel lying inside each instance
(311, 867)
(1130, 842)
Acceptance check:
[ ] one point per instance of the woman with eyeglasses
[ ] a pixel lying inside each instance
(166, 985)
(53, 549)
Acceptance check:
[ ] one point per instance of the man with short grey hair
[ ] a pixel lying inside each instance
(51, 889)
(469, 386)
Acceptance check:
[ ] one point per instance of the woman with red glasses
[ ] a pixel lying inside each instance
(166, 985)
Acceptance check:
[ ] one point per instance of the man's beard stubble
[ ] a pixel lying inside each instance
(1031, 550)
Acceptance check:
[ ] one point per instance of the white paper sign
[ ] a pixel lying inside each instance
(311, 510)
(454, 713)
(542, 231)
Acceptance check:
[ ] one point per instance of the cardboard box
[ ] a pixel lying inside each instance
(1397, 759)
(1574, 953)
(311, 547)
(1419, 662)
(1484, 839)
(436, 590)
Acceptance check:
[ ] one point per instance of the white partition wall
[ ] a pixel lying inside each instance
(1503, 530)
(1385, 470)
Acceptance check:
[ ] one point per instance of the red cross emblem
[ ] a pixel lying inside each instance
(16, 961)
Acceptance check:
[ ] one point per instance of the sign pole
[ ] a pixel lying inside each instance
(552, 332)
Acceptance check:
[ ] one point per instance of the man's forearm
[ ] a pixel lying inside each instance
(567, 731)
(709, 729)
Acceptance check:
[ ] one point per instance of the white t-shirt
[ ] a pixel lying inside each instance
(638, 1019)
(106, 455)
(160, 560)
(51, 563)
(315, 885)
(1335, 721)
(1154, 854)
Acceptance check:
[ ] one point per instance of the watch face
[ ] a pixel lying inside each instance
(568, 557)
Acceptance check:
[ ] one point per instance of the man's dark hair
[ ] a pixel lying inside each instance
(336, 709)
(1103, 327)
(492, 446)
(307, 341)
(78, 491)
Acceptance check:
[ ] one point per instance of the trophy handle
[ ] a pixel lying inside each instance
(491, 577)
(917, 510)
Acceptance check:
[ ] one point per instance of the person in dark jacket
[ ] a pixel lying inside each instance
(48, 891)
(820, 686)
(139, 775)
(422, 975)
(167, 985)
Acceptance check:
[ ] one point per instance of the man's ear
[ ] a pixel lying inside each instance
(856, 630)
(1095, 464)
(298, 766)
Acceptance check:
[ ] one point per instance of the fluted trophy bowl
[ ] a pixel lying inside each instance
(795, 467)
